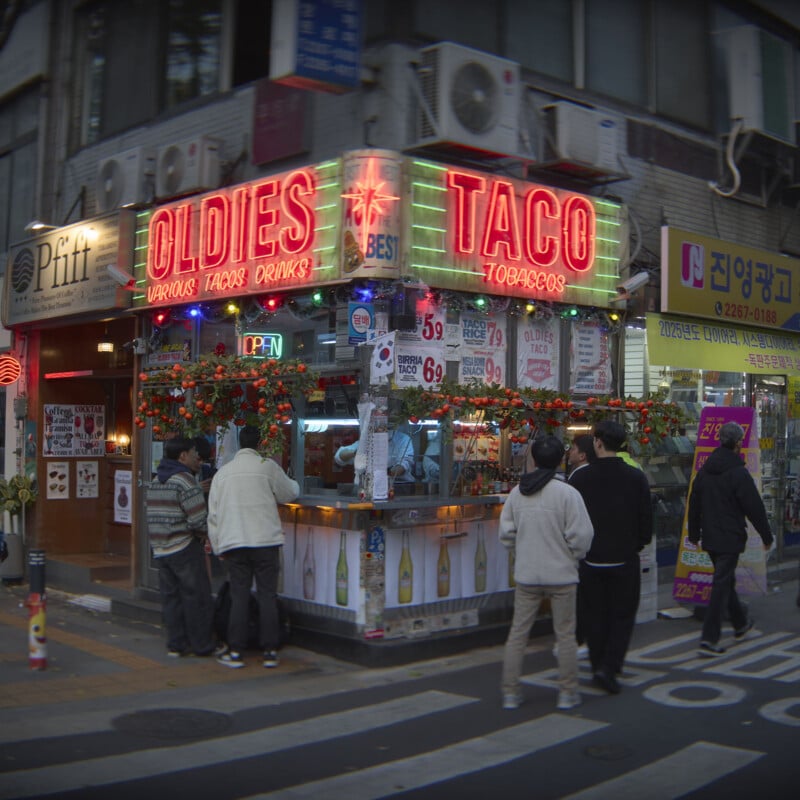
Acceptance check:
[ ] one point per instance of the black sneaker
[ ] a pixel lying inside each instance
(271, 659)
(710, 650)
(740, 633)
(607, 681)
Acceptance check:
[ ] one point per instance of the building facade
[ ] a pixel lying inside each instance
(672, 123)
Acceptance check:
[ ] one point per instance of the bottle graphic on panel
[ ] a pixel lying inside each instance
(309, 568)
(405, 580)
(512, 557)
(443, 570)
(341, 571)
(280, 570)
(480, 562)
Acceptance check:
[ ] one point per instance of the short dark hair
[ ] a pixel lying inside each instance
(547, 452)
(249, 436)
(612, 434)
(177, 445)
(730, 434)
(203, 447)
(585, 444)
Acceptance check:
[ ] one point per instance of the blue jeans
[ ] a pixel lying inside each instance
(723, 597)
(244, 563)
(187, 608)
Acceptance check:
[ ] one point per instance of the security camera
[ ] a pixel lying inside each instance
(124, 279)
(633, 283)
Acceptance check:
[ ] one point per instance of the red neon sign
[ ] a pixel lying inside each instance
(10, 369)
(257, 235)
(523, 236)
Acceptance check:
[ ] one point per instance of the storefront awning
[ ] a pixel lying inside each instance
(699, 344)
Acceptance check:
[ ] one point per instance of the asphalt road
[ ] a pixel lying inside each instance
(112, 716)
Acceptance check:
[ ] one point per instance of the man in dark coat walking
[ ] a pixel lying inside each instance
(723, 494)
(617, 497)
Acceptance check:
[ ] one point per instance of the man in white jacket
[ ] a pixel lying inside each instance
(245, 528)
(545, 521)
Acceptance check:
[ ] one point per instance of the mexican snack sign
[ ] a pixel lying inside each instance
(694, 571)
(64, 272)
(727, 282)
(476, 232)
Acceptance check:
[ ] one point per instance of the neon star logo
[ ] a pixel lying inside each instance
(369, 200)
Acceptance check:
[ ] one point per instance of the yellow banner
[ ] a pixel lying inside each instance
(724, 281)
(696, 344)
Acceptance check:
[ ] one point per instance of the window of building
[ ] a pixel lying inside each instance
(540, 37)
(18, 128)
(682, 64)
(193, 31)
(617, 38)
(177, 50)
(472, 23)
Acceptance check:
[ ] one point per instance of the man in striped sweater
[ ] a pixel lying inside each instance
(176, 522)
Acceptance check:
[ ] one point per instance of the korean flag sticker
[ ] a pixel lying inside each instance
(383, 355)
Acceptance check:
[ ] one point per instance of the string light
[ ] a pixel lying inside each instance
(272, 303)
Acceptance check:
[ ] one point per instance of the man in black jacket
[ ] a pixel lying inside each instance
(617, 497)
(722, 495)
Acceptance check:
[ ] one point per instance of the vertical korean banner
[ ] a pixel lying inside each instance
(793, 451)
(694, 571)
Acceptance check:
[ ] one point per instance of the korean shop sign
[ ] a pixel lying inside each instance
(728, 282)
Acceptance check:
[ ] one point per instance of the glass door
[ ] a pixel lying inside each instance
(769, 401)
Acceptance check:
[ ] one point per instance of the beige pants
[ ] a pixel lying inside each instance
(527, 600)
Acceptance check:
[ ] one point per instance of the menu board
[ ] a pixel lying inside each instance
(74, 430)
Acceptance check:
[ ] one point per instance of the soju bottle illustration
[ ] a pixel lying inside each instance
(443, 570)
(309, 568)
(480, 563)
(341, 571)
(512, 557)
(405, 579)
(280, 570)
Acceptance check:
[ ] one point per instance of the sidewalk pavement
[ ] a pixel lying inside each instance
(92, 655)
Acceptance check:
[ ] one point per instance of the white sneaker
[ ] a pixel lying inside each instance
(568, 700)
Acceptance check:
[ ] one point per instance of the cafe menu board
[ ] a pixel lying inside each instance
(74, 430)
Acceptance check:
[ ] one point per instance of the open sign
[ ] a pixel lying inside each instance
(261, 345)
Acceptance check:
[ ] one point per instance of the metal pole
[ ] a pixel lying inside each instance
(37, 611)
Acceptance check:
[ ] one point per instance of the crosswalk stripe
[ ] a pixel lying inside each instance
(685, 771)
(448, 762)
(152, 762)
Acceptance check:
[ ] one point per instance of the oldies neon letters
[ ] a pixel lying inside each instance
(229, 232)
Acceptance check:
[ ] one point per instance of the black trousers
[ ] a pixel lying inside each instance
(610, 600)
(244, 564)
(723, 597)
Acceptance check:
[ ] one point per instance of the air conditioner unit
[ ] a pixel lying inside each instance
(471, 99)
(582, 141)
(756, 68)
(125, 179)
(188, 167)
